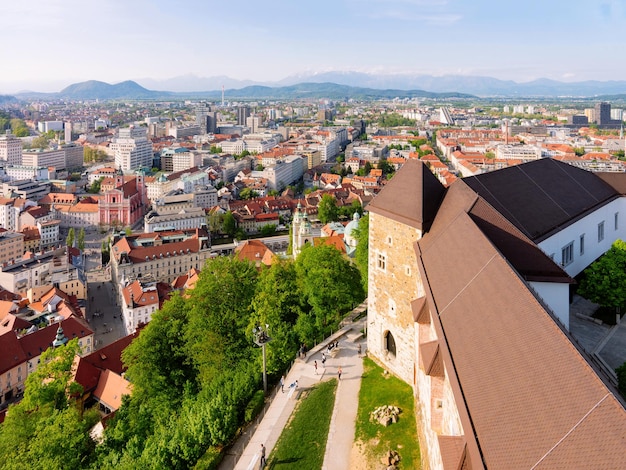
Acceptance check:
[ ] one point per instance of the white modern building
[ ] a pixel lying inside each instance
(185, 219)
(132, 149)
(10, 149)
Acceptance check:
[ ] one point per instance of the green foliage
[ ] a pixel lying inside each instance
(348, 211)
(619, 154)
(361, 255)
(303, 441)
(329, 284)
(95, 186)
(81, 239)
(210, 460)
(621, 379)
(603, 281)
(579, 151)
(259, 167)
(229, 224)
(394, 120)
(93, 155)
(268, 230)
(215, 149)
(71, 236)
(327, 210)
(40, 142)
(247, 193)
(386, 167)
(254, 406)
(490, 155)
(365, 170)
(48, 429)
(378, 389)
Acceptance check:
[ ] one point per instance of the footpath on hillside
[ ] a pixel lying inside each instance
(245, 454)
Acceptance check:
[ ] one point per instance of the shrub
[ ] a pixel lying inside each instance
(254, 405)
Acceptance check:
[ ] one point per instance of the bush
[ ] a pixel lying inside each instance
(210, 460)
(255, 405)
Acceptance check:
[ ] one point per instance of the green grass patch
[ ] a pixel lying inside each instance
(302, 443)
(378, 389)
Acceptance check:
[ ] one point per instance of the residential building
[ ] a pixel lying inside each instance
(158, 257)
(21, 172)
(26, 189)
(243, 112)
(192, 218)
(10, 149)
(132, 149)
(469, 291)
(139, 302)
(44, 158)
(74, 156)
(11, 245)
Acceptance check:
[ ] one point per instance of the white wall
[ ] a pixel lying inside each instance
(589, 227)
(556, 296)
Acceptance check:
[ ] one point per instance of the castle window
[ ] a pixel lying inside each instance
(407, 270)
(389, 241)
(390, 343)
(381, 262)
(392, 308)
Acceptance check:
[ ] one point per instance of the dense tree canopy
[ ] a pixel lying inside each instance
(327, 210)
(603, 281)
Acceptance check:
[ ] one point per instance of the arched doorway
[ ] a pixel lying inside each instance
(390, 343)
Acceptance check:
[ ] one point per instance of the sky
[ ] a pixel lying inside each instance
(49, 44)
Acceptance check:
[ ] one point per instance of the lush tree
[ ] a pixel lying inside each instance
(215, 222)
(81, 239)
(603, 281)
(329, 284)
(579, 151)
(386, 167)
(362, 249)
(215, 149)
(229, 224)
(327, 210)
(219, 315)
(41, 142)
(71, 236)
(268, 230)
(277, 303)
(348, 211)
(259, 167)
(490, 155)
(95, 186)
(247, 193)
(48, 428)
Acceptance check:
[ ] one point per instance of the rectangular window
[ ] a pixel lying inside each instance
(381, 262)
(600, 232)
(616, 220)
(582, 244)
(567, 254)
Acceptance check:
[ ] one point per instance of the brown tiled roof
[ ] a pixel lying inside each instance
(452, 450)
(542, 195)
(523, 390)
(414, 197)
(85, 374)
(12, 352)
(110, 356)
(35, 343)
(617, 180)
(111, 388)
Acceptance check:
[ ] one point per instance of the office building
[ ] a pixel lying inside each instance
(132, 149)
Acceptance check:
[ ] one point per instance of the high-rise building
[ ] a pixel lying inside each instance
(132, 149)
(603, 113)
(243, 112)
(10, 149)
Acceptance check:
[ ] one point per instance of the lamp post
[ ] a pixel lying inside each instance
(260, 339)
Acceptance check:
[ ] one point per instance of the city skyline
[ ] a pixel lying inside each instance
(57, 43)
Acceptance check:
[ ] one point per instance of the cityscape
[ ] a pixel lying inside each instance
(345, 236)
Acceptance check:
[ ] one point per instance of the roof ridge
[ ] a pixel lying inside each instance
(571, 430)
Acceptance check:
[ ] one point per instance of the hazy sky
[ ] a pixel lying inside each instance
(49, 44)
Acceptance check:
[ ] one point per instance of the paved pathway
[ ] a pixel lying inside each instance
(341, 433)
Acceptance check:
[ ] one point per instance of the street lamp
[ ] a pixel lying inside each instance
(260, 339)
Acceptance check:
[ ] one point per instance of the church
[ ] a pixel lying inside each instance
(469, 293)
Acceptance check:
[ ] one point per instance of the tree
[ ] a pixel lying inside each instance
(361, 256)
(247, 193)
(327, 210)
(69, 240)
(579, 151)
(215, 149)
(40, 142)
(603, 281)
(330, 284)
(215, 221)
(48, 429)
(81, 239)
(490, 155)
(229, 224)
(268, 230)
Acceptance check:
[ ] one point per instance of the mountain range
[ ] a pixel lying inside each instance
(337, 85)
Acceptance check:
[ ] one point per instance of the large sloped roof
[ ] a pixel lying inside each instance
(524, 391)
(542, 196)
(412, 199)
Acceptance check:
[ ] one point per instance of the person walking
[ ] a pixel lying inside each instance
(339, 372)
(315, 364)
(282, 383)
(263, 461)
(358, 349)
(324, 360)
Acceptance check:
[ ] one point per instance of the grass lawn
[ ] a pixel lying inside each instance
(378, 389)
(302, 443)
